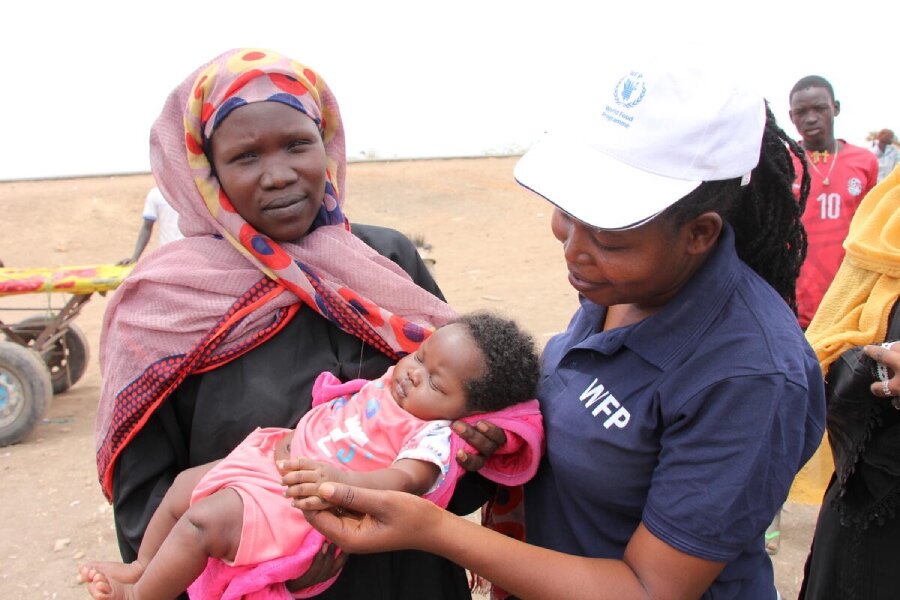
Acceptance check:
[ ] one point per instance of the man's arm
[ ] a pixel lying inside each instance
(141, 244)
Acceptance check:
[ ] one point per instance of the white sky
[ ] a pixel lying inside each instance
(84, 80)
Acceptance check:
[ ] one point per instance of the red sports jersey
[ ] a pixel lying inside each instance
(829, 210)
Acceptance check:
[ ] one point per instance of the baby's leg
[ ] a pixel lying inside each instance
(174, 504)
(210, 528)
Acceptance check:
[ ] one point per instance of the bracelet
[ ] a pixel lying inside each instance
(883, 376)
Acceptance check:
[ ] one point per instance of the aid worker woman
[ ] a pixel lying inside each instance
(683, 398)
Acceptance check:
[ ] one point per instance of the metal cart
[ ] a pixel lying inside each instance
(46, 353)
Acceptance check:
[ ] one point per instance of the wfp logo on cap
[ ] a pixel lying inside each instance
(629, 92)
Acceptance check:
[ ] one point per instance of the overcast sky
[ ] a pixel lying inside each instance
(84, 80)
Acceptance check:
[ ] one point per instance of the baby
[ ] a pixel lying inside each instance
(393, 433)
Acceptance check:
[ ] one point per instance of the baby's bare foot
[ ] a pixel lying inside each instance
(103, 588)
(122, 572)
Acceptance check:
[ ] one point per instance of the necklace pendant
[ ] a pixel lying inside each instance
(825, 181)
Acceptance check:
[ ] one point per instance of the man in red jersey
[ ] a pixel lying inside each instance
(841, 175)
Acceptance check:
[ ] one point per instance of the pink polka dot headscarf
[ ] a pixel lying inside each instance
(243, 77)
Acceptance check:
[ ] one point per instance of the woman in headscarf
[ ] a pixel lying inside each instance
(222, 332)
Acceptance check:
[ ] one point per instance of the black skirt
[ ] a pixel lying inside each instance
(850, 562)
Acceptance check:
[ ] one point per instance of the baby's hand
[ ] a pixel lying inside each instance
(301, 478)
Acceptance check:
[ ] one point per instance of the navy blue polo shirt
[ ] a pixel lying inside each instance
(694, 421)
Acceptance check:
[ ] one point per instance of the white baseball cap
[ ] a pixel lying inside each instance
(652, 136)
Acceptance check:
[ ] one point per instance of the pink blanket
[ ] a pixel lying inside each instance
(513, 464)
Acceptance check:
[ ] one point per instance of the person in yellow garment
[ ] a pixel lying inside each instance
(855, 547)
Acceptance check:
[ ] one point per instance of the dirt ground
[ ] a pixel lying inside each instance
(493, 248)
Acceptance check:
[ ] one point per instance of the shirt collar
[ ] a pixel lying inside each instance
(660, 338)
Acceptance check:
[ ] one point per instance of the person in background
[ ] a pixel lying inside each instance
(841, 175)
(226, 330)
(156, 210)
(886, 152)
(682, 398)
(856, 544)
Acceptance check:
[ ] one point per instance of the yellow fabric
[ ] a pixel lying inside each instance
(71, 280)
(810, 483)
(856, 307)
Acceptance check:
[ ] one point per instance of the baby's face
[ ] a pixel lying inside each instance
(431, 382)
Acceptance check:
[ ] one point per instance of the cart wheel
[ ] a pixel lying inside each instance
(68, 358)
(25, 391)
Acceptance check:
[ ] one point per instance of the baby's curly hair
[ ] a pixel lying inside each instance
(511, 361)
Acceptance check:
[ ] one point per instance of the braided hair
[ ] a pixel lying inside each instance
(764, 214)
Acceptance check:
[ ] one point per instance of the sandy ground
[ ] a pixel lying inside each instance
(493, 249)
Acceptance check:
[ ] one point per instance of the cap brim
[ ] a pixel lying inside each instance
(594, 187)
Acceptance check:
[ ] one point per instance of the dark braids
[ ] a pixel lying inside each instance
(764, 214)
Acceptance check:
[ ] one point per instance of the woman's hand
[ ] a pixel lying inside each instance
(485, 437)
(366, 520)
(324, 566)
(888, 356)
